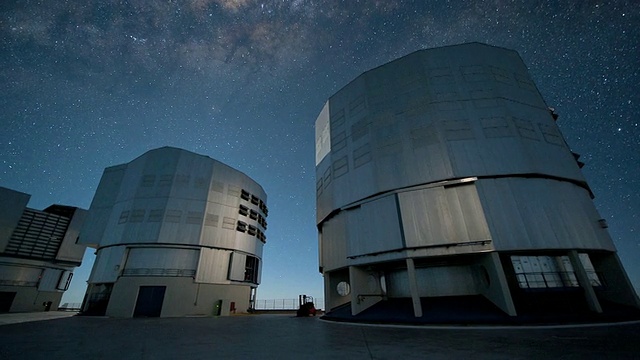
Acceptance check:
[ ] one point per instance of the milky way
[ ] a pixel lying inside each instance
(90, 84)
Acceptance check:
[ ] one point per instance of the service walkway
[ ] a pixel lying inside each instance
(286, 337)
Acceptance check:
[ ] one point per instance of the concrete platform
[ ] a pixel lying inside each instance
(15, 318)
(287, 337)
(477, 310)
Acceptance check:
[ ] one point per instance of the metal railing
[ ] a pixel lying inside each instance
(284, 304)
(541, 280)
(159, 272)
(70, 307)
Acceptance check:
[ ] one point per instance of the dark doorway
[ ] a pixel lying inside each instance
(6, 299)
(97, 299)
(149, 302)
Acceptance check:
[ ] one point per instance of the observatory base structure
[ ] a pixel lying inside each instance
(442, 177)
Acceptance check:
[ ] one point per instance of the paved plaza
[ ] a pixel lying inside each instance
(286, 337)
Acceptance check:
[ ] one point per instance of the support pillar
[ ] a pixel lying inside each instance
(497, 291)
(413, 288)
(583, 281)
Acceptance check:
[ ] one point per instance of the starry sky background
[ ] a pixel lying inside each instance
(89, 84)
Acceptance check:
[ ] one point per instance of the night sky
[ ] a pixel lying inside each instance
(89, 84)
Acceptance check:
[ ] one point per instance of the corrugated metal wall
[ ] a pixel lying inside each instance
(438, 216)
(162, 258)
(541, 214)
(366, 236)
(213, 265)
(107, 265)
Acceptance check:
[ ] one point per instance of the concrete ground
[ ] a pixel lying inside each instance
(287, 337)
(15, 318)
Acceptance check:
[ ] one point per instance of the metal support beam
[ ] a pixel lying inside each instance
(583, 281)
(413, 288)
(498, 290)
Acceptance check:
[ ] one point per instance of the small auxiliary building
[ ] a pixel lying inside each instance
(443, 175)
(176, 234)
(38, 252)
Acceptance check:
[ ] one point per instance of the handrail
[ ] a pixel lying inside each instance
(159, 272)
(556, 279)
(361, 297)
